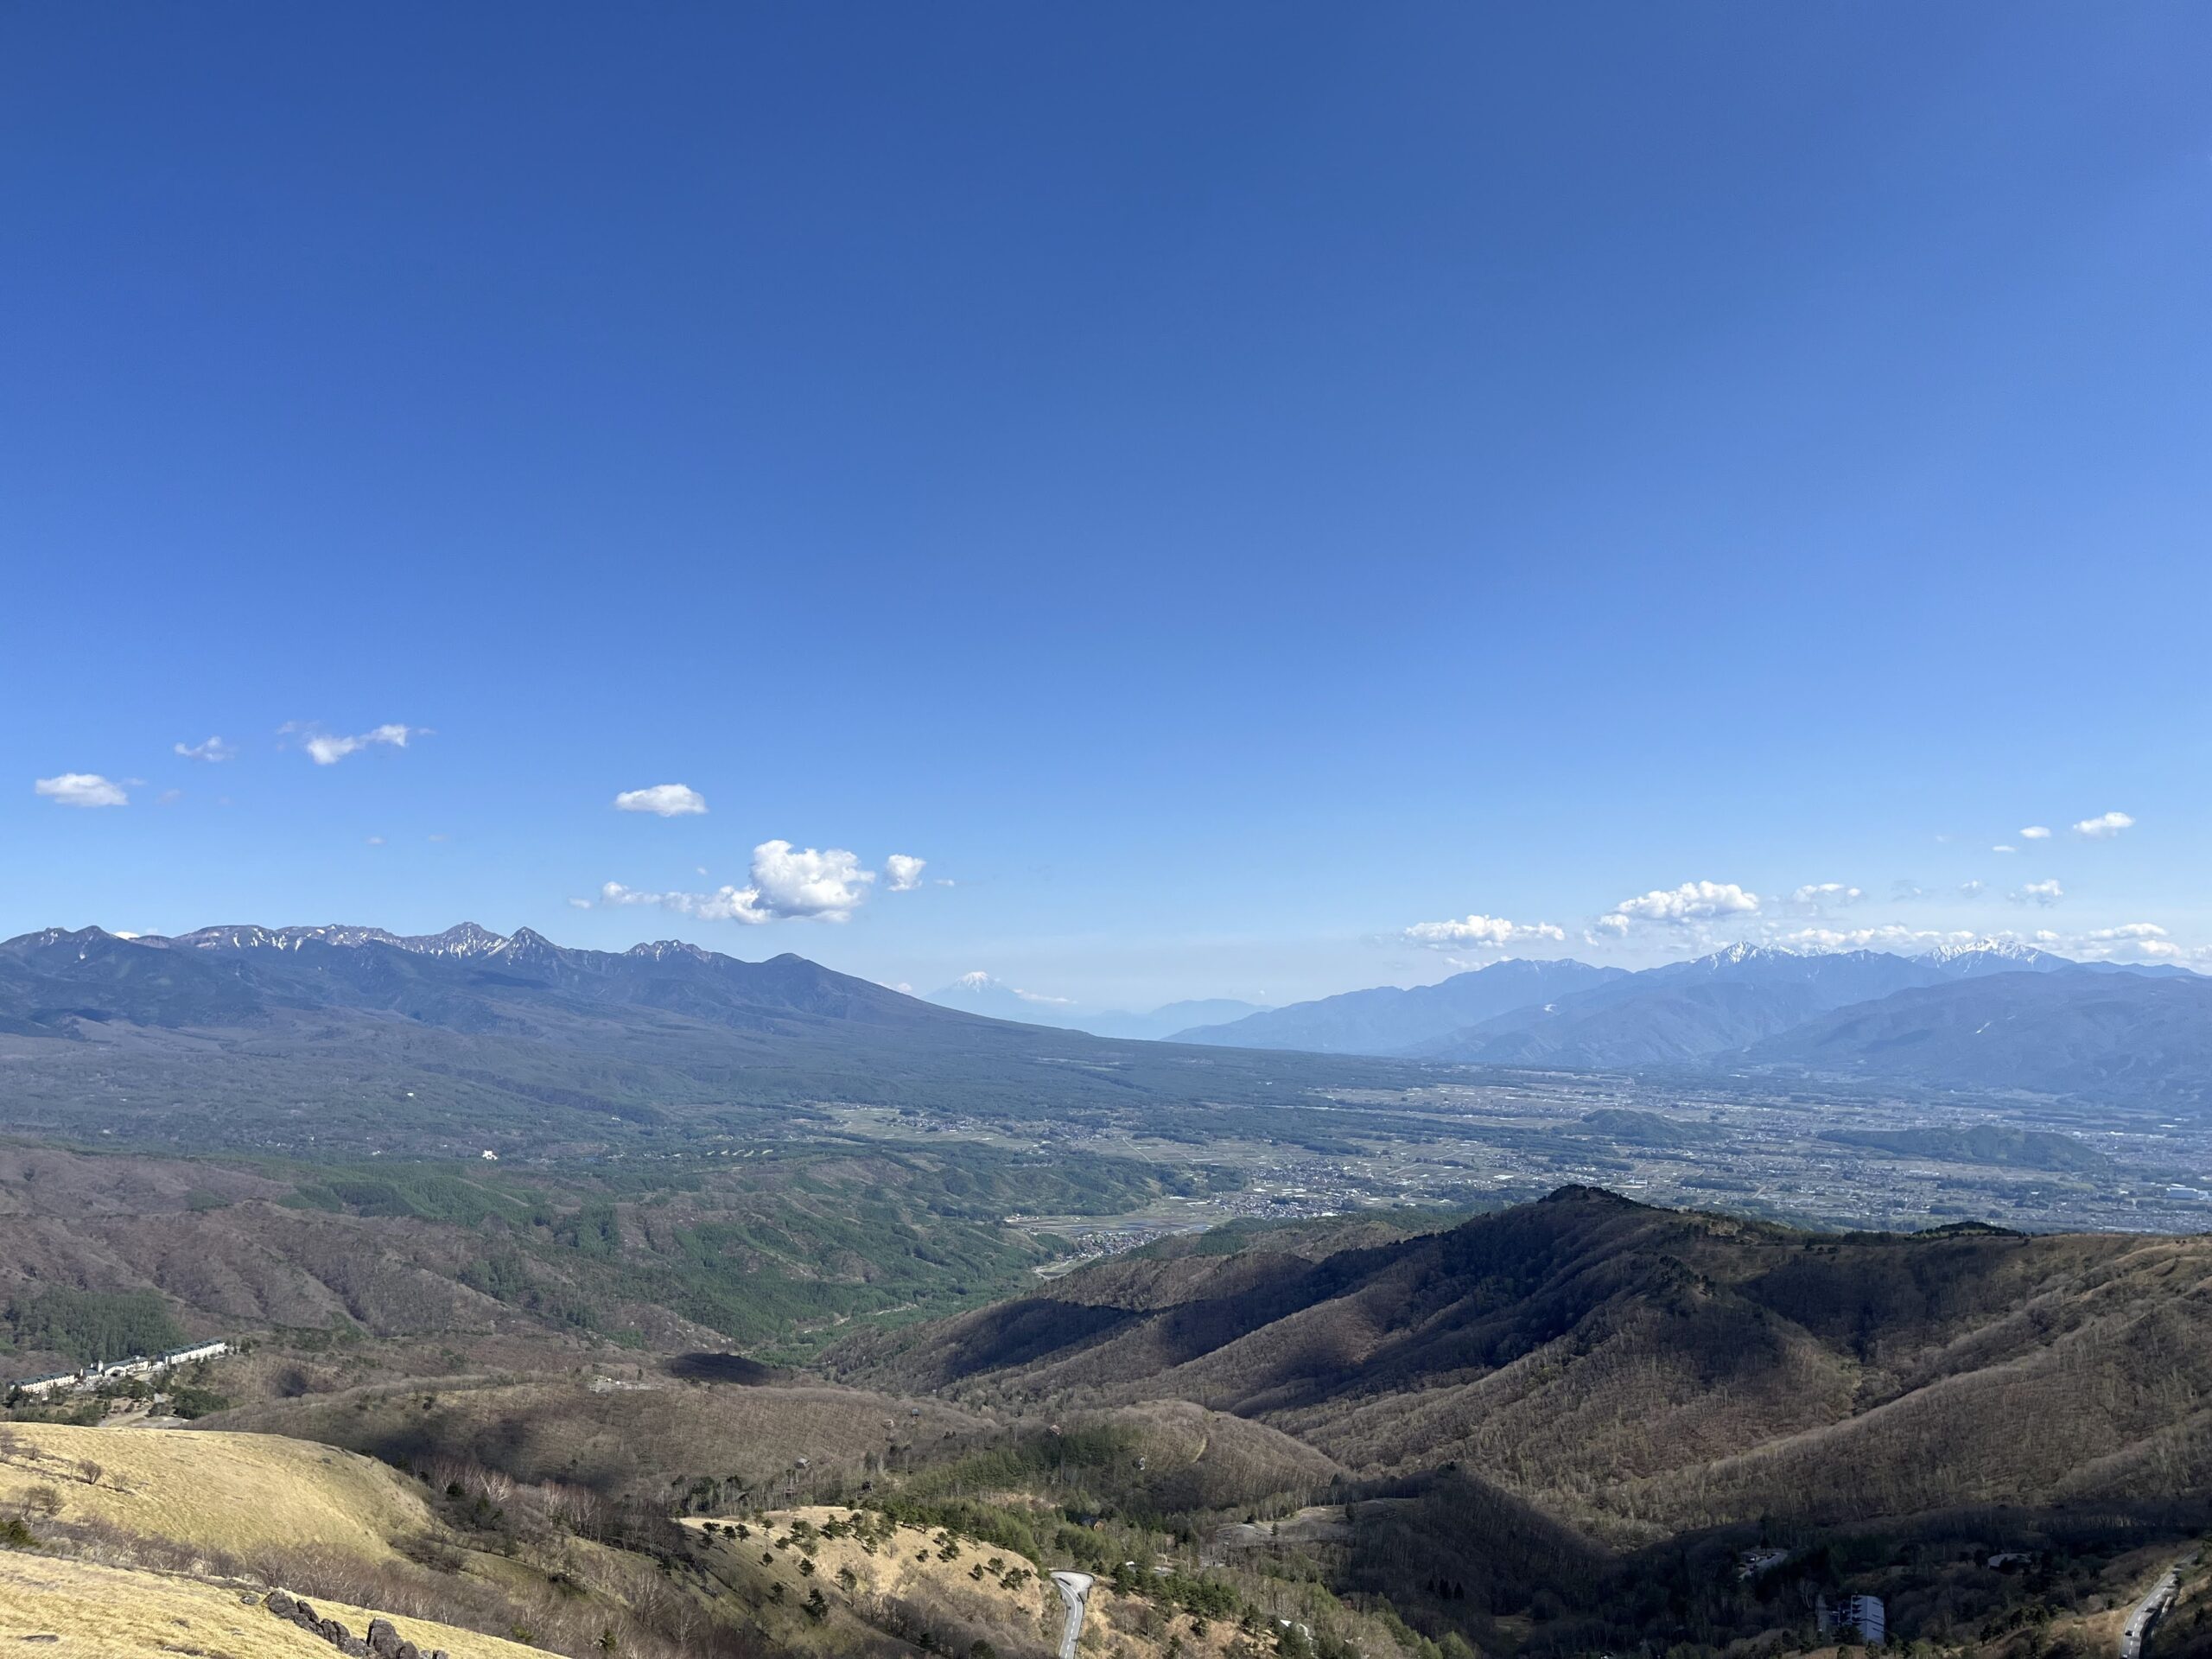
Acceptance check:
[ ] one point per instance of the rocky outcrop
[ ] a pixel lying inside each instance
(384, 1640)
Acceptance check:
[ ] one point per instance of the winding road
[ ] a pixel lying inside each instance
(2148, 1611)
(1075, 1591)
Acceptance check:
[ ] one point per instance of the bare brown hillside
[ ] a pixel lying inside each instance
(1648, 1368)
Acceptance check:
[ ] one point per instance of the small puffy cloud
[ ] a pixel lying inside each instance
(1825, 893)
(788, 883)
(2145, 939)
(2045, 894)
(329, 748)
(579, 904)
(2036, 832)
(80, 789)
(799, 881)
(2001, 847)
(2104, 826)
(902, 874)
(1493, 932)
(1971, 889)
(663, 800)
(1694, 902)
(214, 749)
(376, 841)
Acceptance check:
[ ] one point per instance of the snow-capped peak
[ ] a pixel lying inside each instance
(1999, 950)
(1735, 955)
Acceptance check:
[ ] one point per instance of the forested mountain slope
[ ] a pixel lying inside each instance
(1642, 1366)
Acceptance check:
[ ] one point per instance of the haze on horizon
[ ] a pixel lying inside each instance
(1251, 505)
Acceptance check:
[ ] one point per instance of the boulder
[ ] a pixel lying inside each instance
(383, 1638)
(279, 1604)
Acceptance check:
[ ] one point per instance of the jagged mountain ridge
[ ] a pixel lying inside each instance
(467, 977)
(468, 1038)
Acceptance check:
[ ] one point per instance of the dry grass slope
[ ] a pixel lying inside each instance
(104, 1612)
(238, 1494)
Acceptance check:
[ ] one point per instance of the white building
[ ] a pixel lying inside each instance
(197, 1351)
(1862, 1613)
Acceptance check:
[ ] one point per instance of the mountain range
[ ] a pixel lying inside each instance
(469, 1037)
(516, 1028)
(1992, 1015)
(1637, 1368)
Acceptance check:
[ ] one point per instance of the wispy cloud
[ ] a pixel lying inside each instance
(2045, 894)
(329, 748)
(214, 749)
(663, 800)
(1827, 893)
(81, 789)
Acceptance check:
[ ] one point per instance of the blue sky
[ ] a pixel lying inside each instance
(1223, 486)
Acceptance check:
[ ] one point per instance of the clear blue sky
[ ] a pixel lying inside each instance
(1223, 484)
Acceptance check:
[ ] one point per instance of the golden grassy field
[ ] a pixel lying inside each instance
(233, 1493)
(100, 1611)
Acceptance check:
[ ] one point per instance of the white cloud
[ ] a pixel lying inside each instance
(1973, 889)
(1889, 936)
(1694, 902)
(788, 883)
(80, 789)
(214, 749)
(579, 904)
(327, 748)
(376, 841)
(2036, 832)
(1493, 932)
(904, 872)
(1827, 893)
(799, 881)
(2145, 939)
(2045, 894)
(663, 800)
(2002, 848)
(2104, 826)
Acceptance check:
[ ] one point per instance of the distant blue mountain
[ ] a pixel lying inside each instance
(980, 993)
(1986, 1015)
(1390, 1020)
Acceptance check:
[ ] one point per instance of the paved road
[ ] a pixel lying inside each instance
(2149, 1611)
(1075, 1591)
